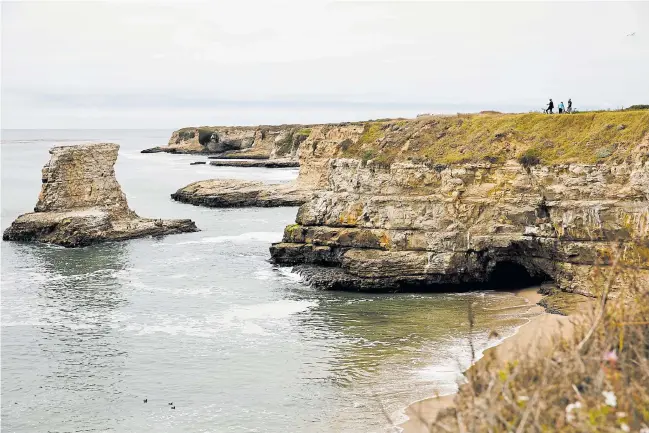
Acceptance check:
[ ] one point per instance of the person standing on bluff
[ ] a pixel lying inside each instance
(569, 110)
(561, 107)
(550, 107)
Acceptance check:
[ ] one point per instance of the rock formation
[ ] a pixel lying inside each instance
(259, 163)
(239, 193)
(249, 142)
(81, 203)
(442, 201)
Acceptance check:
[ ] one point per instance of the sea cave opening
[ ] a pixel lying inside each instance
(508, 275)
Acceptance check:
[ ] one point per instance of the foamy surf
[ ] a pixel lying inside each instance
(269, 310)
(242, 238)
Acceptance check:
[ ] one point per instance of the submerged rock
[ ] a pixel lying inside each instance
(238, 193)
(81, 203)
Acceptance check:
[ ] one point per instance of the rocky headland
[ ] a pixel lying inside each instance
(441, 202)
(238, 193)
(238, 142)
(81, 203)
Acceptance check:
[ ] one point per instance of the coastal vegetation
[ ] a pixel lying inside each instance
(533, 138)
(594, 380)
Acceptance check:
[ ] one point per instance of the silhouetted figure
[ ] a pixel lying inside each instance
(550, 107)
(146, 400)
(173, 407)
(561, 107)
(569, 110)
(170, 404)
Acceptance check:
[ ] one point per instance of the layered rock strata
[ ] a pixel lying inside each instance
(81, 203)
(442, 202)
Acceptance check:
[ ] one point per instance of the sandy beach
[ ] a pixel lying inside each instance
(530, 338)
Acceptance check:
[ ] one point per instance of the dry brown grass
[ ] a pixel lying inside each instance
(597, 380)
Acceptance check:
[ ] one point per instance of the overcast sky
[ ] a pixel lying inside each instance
(146, 65)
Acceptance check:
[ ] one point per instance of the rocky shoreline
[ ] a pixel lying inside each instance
(81, 203)
(386, 221)
(448, 202)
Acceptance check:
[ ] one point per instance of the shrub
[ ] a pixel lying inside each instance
(367, 155)
(529, 159)
(605, 152)
(187, 135)
(637, 107)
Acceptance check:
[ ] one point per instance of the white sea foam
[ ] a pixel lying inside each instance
(289, 274)
(268, 310)
(251, 328)
(242, 238)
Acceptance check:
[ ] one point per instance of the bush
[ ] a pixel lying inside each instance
(637, 107)
(367, 155)
(529, 159)
(186, 135)
(605, 152)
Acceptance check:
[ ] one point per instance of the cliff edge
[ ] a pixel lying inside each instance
(81, 203)
(445, 201)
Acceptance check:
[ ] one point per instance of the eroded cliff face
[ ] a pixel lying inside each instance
(81, 203)
(434, 203)
(259, 142)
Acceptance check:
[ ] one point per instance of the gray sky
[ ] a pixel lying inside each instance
(145, 65)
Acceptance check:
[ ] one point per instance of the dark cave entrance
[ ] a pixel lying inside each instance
(510, 275)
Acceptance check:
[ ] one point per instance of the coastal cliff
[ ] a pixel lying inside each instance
(250, 142)
(81, 203)
(444, 201)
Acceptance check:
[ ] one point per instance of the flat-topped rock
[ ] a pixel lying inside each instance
(262, 163)
(238, 193)
(81, 203)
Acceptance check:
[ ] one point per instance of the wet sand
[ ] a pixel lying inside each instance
(529, 339)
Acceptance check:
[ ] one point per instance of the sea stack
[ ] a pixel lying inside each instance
(81, 203)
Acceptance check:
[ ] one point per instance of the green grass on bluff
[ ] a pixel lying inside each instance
(534, 137)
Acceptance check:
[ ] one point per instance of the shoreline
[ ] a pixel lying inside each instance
(529, 337)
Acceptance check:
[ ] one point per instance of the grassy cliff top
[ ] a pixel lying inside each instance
(533, 137)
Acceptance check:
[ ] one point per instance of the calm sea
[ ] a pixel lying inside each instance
(203, 320)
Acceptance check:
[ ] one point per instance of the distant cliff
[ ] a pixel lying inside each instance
(238, 141)
(442, 201)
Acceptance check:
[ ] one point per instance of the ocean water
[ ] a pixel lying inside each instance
(203, 320)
